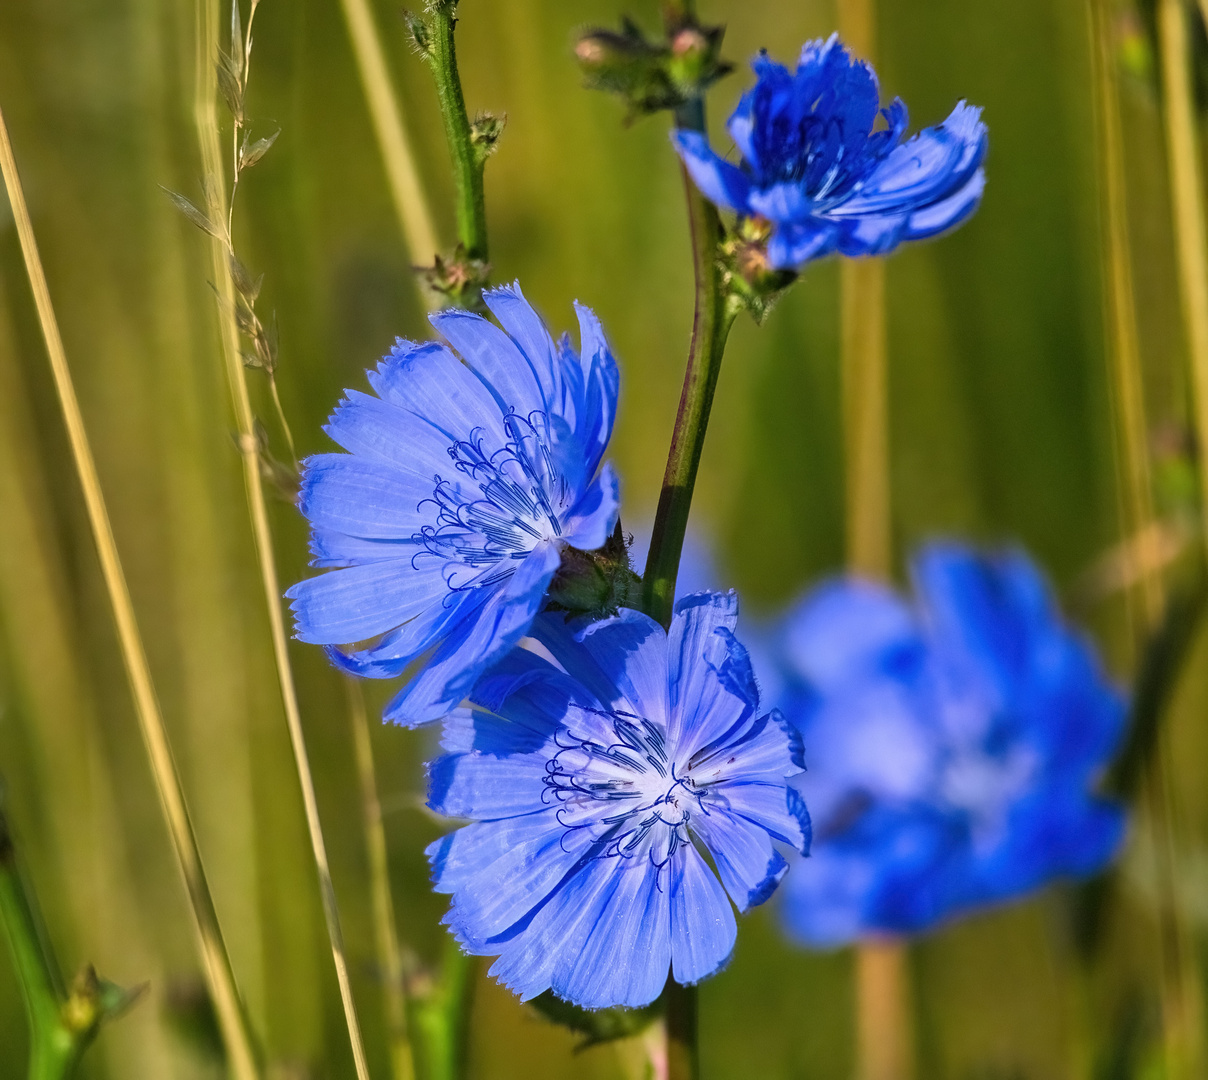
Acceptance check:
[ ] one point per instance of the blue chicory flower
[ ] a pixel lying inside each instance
(953, 747)
(592, 772)
(814, 166)
(464, 479)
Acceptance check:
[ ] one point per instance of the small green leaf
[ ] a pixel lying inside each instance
(419, 32)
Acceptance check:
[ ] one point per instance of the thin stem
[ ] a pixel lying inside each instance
(385, 109)
(208, 134)
(467, 161)
(865, 375)
(390, 957)
(712, 318)
(1181, 995)
(285, 428)
(1120, 310)
(883, 1020)
(1191, 240)
(713, 315)
(682, 1019)
(220, 979)
(883, 1035)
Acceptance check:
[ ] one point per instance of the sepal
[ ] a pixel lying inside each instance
(595, 582)
(651, 76)
(459, 278)
(747, 273)
(596, 1026)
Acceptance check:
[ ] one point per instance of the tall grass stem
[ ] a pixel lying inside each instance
(1182, 995)
(1123, 346)
(884, 1029)
(211, 153)
(884, 1032)
(864, 377)
(220, 979)
(386, 112)
(390, 957)
(1187, 201)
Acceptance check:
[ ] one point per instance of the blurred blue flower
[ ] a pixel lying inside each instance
(592, 771)
(464, 480)
(814, 167)
(953, 747)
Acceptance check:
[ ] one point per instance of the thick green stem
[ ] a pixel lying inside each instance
(683, 1047)
(467, 160)
(713, 317)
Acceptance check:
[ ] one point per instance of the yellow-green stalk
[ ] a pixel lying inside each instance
(386, 111)
(220, 979)
(390, 957)
(1182, 997)
(206, 117)
(884, 1032)
(1187, 202)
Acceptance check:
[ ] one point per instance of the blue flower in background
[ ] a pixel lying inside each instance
(814, 167)
(592, 773)
(463, 481)
(953, 747)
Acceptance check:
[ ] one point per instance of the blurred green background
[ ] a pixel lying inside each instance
(1001, 429)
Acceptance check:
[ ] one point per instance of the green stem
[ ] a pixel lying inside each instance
(714, 315)
(683, 1048)
(467, 161)
(712, 318)
(441, 1018)
(53, 1049)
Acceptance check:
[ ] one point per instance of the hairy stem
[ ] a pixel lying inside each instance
(467, 162)
(390, 959)
(385, 109)
(208, 135)
(220, 979)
